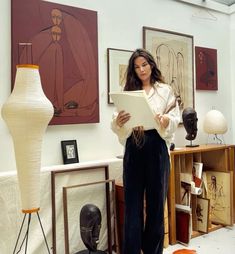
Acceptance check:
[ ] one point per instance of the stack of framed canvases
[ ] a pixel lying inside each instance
(202, 178)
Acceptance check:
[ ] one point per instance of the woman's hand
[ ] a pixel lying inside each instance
(122, 118)
(162, 119)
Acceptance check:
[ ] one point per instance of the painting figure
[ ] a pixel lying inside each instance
(64, 51)
(217, 195)
(206, 68)
(122, 75)
(199, 213)
(217, 199)
(70, 151)
(171, 64)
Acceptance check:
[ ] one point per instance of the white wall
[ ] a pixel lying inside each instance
(120, 26)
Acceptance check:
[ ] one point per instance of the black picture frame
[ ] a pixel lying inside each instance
(69, 151)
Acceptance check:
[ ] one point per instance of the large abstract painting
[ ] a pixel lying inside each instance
(62, 40)
(206, 68)
(173, 53)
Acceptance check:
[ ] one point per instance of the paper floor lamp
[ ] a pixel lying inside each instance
(27, 113)
(215, 124)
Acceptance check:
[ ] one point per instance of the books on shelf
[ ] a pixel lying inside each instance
(183, 223)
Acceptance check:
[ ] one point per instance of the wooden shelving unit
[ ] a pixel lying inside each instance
(214, 157)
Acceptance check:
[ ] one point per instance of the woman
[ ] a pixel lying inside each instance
(146, 160)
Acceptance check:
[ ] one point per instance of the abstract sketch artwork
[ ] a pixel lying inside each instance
(206, 68)
(220, 194)
(63, 41)
(174, 57)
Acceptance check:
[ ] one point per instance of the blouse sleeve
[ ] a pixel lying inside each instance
(122, 132)
(173, 112)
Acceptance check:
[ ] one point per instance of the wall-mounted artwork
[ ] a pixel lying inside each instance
(62, 40)
(206, 68)
(173, 53)
(117, 66)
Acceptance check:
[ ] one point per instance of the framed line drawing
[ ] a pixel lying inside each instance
(220, 193)
(117, 65)
(202, 212)
(173, 53)
(206, 68)
(70, 192)
(69, 151)
(67, 177)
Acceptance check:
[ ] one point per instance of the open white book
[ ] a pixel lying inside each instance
(136, 104)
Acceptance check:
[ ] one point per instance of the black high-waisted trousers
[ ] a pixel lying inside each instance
(146, 171)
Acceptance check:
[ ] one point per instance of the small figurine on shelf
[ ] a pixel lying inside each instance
(190, 119)
(90, 224)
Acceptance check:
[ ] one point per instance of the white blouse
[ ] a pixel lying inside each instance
(162, 100)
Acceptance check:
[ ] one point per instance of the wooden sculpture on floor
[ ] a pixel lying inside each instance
(90, 224)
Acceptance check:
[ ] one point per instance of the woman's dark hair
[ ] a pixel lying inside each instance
(132, 80)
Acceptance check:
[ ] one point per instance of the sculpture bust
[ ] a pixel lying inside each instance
(190, 119)
(90, 224)
(189, 116)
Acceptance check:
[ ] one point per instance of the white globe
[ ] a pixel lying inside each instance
(215, 122)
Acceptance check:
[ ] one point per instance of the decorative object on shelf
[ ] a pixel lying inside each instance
(206, 68)
(27, 113)
(190, 119)
(117, 65)
(173, 53)
(215, 124)
(172, 146)
(69, 151)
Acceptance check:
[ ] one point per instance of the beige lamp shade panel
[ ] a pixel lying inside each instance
(215, 122)
(27, 113)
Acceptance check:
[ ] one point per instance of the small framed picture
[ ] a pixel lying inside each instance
(69, 151)
(202, 212)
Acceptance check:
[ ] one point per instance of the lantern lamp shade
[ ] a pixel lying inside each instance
(215, 122)
(27, 113)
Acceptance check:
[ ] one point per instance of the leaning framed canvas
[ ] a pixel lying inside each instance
(220, 192)
(69, 151)
(173, 53)
(69, 176)
(202, 214)
(117, 65)
(106, 190)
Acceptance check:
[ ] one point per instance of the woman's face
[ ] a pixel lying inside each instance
(143, 69)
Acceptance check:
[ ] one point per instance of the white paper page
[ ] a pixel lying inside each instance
(136, 104)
